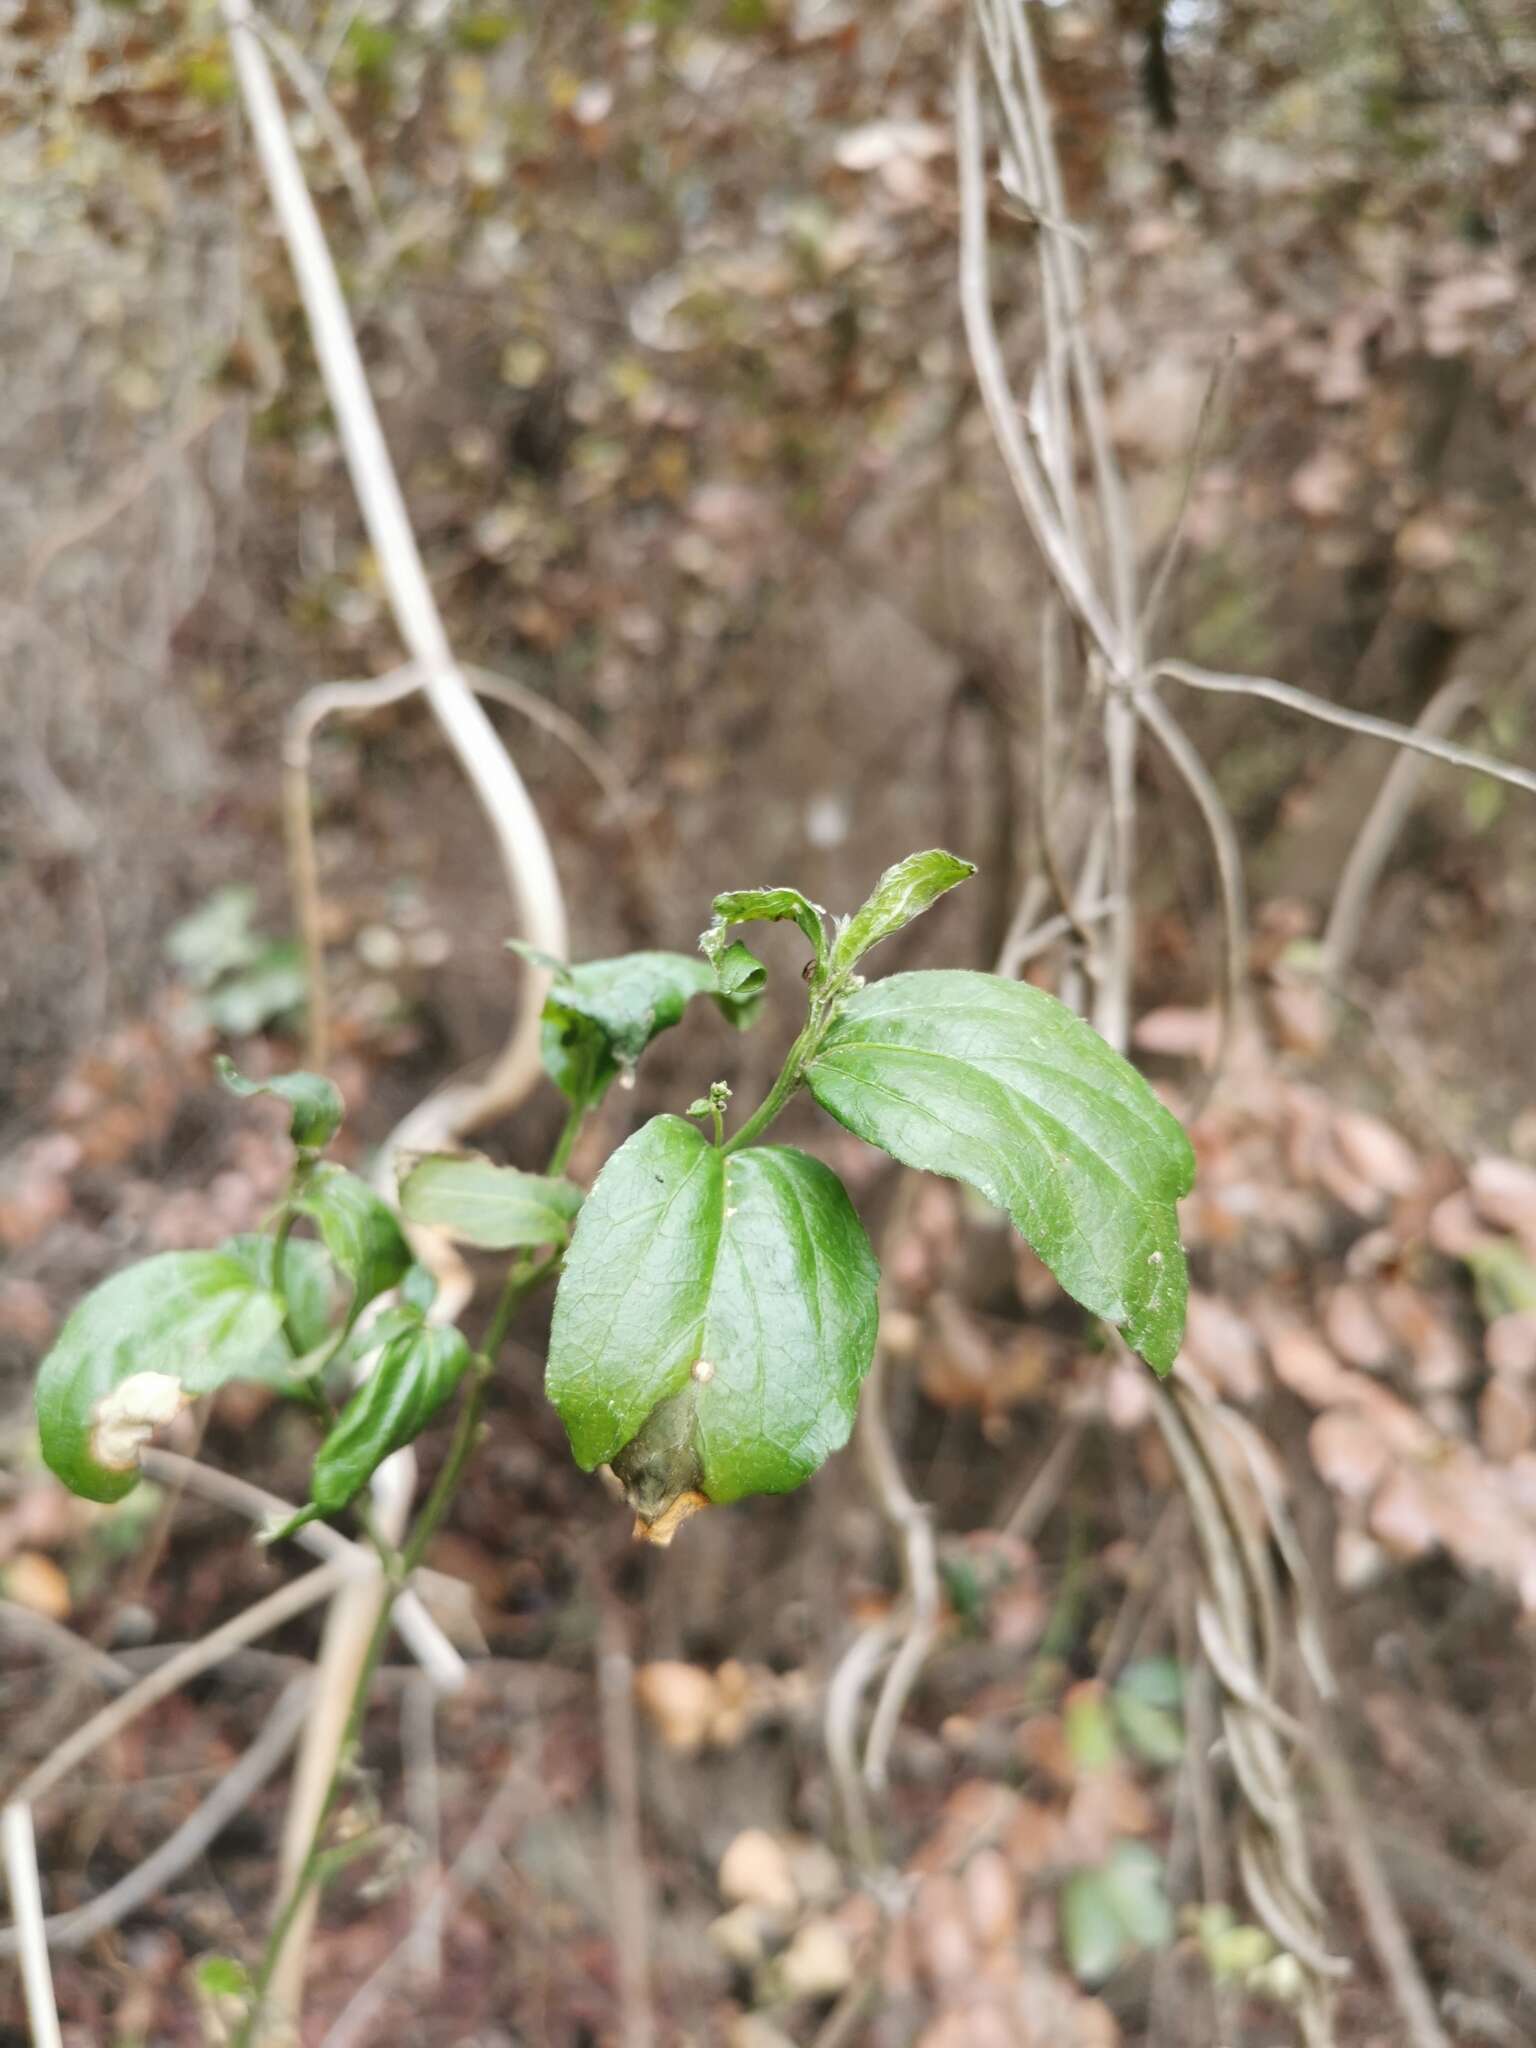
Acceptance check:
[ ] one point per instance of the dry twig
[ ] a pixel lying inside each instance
(257, 1620)
(229, 1798)
(18, 1848)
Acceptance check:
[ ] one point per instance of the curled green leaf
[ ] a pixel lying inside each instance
(599, 1017)
(763, 906)
(314, 1103)
(902, 893)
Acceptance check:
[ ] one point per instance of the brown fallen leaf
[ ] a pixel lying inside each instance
(681, 1701)
(1303, 1362)
(1504, 1194)
(35, 1581)
(755, 1871)
(1354, 1329)
(1509, 1343)
(1348, 1452)
(1506, 1419)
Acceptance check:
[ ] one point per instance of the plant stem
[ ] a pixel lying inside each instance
(791, 1074)
(284, 1231)
(565, 1144)
(397, 1566)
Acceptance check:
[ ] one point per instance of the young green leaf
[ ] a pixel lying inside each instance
(739, 1289)
(479, 1203)
(763, 906)
(359, 1230)
(902, 893)
(739, 973)
(416, 1373)
(138, 1349)
(315, 1103)
(306, 1285)
(999, 1085)
(599, 1017)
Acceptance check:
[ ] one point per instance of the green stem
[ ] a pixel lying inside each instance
(398, 1566)
(791, 1074)
(565, 1144)
(284, 1231)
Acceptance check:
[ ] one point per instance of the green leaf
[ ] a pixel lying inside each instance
(494, 1206)
(273, 986)
(136, 1350)
(1504, 1279)
(1108, 1913)
(1091, 1932)
(416, 1373)
(599, 1017)
(1157, 1680)
(418, 1288)
(223, 1977)
(308, 1285)
(902, 893)
(359, 1230)
(1089, 1731)
(728, 1303)
(763, 906)
(1134, 1876)
(316, 1103)
(217, 938)
(739, 972)
(1152, 1732)
(997, 1084)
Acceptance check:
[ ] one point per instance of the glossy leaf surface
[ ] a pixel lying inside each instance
(902, 893)
(741, 1288)
(997, 1084)
(480, 1203)
(137, 1349)
(359, 1231)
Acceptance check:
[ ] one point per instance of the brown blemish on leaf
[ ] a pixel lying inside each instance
(670, 1520)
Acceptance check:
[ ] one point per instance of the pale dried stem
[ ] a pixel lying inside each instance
(292, 1599)
(850, 1681)
(912, 1521)
(1383, 822)
(349, 1627)
(1028, 1515)
(1201, 785)
(439, 1660)
(64, 1643)
(1365, 722)
(1243, 1619)
(304, 720)
(1378, 1908)
(424, 1813)
(992, 377)
(338, 137)
(18, 1849)
(520, 837)
(514, 1798)
(229, 1798)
